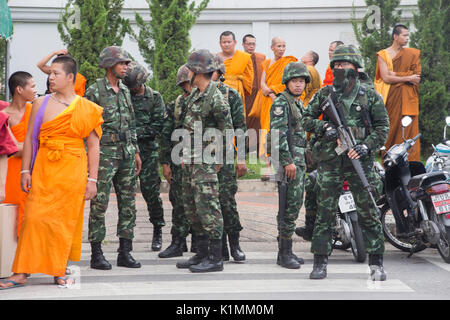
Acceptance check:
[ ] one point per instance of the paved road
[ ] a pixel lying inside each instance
(423, 276)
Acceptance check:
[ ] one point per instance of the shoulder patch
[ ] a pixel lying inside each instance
(278, 110)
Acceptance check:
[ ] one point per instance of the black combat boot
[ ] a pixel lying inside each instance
(320, 267)
(184, 245)
(175, 249)
(285, 256)
(98, 261)
(202, 253)
(377, 272)
(235, 249)
(124, 259)
(213, 262)
(306, 232)
(299, 260)
(193, 242)
(157, 238)
(225, 252)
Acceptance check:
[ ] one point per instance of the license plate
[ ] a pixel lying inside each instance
(441, 202)
(347, 203)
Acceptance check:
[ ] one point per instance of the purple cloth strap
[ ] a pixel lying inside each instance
(37, 129)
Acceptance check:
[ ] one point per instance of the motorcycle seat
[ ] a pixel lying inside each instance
(425, 180)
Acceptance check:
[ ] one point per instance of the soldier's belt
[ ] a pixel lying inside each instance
(116, 137)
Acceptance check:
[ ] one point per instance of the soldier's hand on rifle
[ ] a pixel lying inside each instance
(138, 164)
(218, 167)
(358, 151)
(167, 172)
(290, 171)
(330, 132)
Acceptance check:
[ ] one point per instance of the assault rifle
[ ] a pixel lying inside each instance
(347, 140)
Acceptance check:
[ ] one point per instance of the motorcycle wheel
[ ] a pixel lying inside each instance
(390, 231)
(443, 244)
(357, 243)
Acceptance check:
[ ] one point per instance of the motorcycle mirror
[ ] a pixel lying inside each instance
(383, 148)
(447, 120)
(406, 121)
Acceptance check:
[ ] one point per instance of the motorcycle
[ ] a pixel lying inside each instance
(347, 232)
(440, 159)
(415, 211)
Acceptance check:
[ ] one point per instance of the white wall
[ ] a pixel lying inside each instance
(304, 24)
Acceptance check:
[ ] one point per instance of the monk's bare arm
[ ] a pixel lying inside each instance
(390, 77)
(264, 88)
(27, 152)
(42, 64)
(93, 155)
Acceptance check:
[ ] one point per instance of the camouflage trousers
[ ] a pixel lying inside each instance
(180, 224)
(294, 200)
(227, 191)
(122, 174)
(310, 196)
(150, 183)
(201, 200)
(331, 175)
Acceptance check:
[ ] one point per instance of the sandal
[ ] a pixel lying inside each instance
(66, 281)
(14, 284)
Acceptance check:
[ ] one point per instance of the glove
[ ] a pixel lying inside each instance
(361, 149)
(330, 132)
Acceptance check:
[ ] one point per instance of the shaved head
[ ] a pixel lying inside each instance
(276, 40)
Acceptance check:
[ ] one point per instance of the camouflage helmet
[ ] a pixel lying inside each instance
(136, 75)
(201, 61)
(182, 74)
(347, 53)
(112, 55)
(220, 65)
(295, 70)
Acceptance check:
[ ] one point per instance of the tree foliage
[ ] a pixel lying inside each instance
(164, 41)
(374, 32)
(89, 26)
(432, 39)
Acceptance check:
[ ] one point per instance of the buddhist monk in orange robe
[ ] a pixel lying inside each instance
(249, 44)
(397, 80)
(238, 66)
(80, 80)
(310, 59)
(328, 80)
(60, 182)
(23, 89)
(270, 86)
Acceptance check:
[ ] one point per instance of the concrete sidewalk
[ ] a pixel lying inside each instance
(257, 205)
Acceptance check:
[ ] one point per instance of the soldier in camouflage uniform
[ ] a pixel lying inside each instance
(227, 174)
(207, 108)
(367, 117)
(149, 112)
(119, 159)
(171, 171)
(285, 115)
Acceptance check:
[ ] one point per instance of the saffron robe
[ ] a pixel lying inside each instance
(262, 104)
(239, 74)
(328, 80)
(13, 193)
(80, 85)
(52, 226)
(403, 100)
(312, 87)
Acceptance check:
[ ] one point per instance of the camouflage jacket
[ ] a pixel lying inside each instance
(149, 112)
(119, 129)
(373, 136)
(237, 110)
(213, 112)
(280, 114)
(172, 121)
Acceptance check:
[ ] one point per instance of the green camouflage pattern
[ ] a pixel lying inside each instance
(136, 75)
(295, 70)
(182, 75)
(347, 53)
(118, 114)
(172, 121)
(333, 169)
(117, 161)
(121, 174)
(220, 65)
(200, 181)
(149, 111)
(201, 61)
(310, 197)
(279, 115)
(112, 55)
